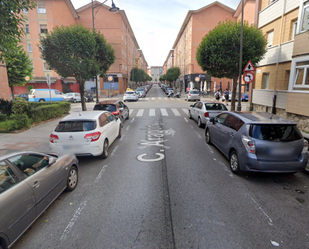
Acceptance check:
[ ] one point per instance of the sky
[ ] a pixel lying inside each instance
(156, 23)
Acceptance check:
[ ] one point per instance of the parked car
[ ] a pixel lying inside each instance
(258, 142)
(202, 111)
(244, 97)
(29, 183)
(193, 95)
(88, 133)
(72, 97)
(23, 95)
(141, 92)
(116, 107)
(130, 96)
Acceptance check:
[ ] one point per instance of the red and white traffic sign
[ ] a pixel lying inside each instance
(249, 67)
(248, 77)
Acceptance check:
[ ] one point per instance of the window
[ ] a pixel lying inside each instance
(29, 163)
(272, 1)
(27, 29)
(220, 118)
(265, 80)
(102, 120)
(302, 74)
(305, 17)
(29, 48)
(43, 28)
(270, 37)
(7, 177)
(45, 67)
(294, 26)
(76, 126)
(41, 8)
(233, 122)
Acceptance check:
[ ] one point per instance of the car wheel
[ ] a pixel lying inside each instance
(74, 101)
(207, 136)
(234, 162)
(72, 179)
(105, 150)
(199, 123)
(189, 115)
(119, 132)
(42, 100)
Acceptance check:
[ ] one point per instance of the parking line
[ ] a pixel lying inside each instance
(153, 98)
(131, 110)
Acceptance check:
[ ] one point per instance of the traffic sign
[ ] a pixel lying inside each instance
(249, 67)
(27, 78)
(110, 78)
(48, 79)
(248, 77)
(197, 79)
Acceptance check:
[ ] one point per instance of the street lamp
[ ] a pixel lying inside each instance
(112, 9)
(240, 56)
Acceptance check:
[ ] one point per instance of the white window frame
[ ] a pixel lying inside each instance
(302, 11)
(41, 28)
(41, 9)
(294, 74)
(270, 38)
(266, 86)
(29, 47)
(294, 29)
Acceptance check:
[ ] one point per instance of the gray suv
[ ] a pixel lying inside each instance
(258, 142)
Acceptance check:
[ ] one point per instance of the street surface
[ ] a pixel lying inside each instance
(162, 186)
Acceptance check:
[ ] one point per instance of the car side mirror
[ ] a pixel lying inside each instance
(51, 161)
(191, 105)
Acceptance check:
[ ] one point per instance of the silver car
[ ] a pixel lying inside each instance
(258, 142)
(29, 183)
(202, 111)
(193, 95)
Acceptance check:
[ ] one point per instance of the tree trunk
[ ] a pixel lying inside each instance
(81, 84)
(12, 90)
(234, 93)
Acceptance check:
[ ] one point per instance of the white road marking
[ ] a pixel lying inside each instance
(199, 136)
(226, 169)
(114, 151)
(186, 120)
(140, 113)
(172, 99)
(165, 98)
(163, 112)
(132, 120)
(146, 98)
(153, 98)
(152, 112)
(131, 110)
(69, 227)
(100, 174)
(176, 112)
(185, 110)
(128, 128)
(270, 222)
(159, 97)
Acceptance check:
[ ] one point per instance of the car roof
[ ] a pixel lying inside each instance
(262, 118)
(107, 102)
(83, 115)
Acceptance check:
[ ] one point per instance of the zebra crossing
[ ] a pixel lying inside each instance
(160, 98)
(152, 112)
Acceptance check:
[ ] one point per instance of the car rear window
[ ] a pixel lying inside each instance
(105, 107)
(76, 126)
(129, 92)
(215, 107)
(276, 133)
(194, 92)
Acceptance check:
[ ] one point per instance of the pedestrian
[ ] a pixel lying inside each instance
(226, 96)
(217, 95)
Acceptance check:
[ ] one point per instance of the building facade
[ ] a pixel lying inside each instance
(155, 73)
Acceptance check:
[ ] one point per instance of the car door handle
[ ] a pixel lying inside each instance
(232, 134)
(36, 185)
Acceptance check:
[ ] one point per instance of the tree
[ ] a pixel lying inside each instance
(11, 22)
(77, 51)
(218, 52)
(18, 66)
(172, 74)
(138, 75)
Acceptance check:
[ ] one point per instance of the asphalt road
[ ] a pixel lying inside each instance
(162, 186)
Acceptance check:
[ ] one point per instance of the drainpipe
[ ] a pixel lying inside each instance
(273, 110)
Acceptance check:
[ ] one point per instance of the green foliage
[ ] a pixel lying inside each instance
(11, 22)
(49, 110)
(18, 66)
(77, 51)
(3, 117)
(6, 106)
(218, 52)
(138, 75)
(20, 106)
(21, 121)
(172, 74)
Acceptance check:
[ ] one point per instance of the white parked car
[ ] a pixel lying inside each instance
(130, 96)
(88, 133)
(72, 97)
(193, 95)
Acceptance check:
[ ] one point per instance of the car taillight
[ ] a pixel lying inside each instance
(249, 144)
(189, 94)
(116, 112)
(199, 95)
(93, 136)
(53, 137)
(305, 147)
(206, 114)
(124, 95)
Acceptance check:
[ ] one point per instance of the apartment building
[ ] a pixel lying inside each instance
(4, 84)
(282, 81)
(114, 26)
(155, 73)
